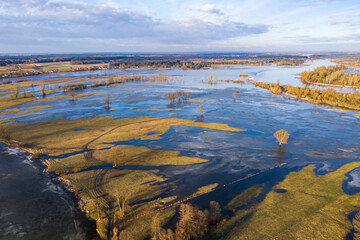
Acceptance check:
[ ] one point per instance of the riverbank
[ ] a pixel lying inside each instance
(327, 97)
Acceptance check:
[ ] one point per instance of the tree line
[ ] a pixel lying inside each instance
(327, 97)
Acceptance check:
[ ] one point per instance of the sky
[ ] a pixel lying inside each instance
(80, 26)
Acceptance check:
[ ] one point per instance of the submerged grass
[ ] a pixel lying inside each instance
(58, 136)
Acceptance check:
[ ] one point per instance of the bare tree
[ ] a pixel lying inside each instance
(201, 109)
(117, 155)
(171, 97)
(121, 200)
(282, 136)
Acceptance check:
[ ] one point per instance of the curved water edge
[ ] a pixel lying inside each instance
(351, 185)
(40, 206)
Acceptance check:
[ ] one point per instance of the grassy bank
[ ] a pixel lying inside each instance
(312, 207)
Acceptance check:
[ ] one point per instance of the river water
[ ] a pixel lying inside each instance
(31, 207)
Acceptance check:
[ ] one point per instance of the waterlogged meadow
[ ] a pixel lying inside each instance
(138, 146)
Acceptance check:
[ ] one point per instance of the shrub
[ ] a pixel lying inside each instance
(201, 109)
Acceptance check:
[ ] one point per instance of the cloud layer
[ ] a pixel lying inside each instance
(177, 26)
(32, 22)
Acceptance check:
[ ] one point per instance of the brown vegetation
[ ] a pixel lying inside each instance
(201, 109)
(181, 95)
(282, 136)
(192, 223)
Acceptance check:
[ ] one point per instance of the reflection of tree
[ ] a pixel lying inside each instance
(200, 118)
(281, 155)
(107, 103)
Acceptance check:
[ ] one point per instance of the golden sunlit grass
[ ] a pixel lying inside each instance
(207, 188)
(196, 100)
(24, 110)
(11, 100)
(138, 185)
(84, 184)
(133, 155)
(57, 136)
(336, 110)
(243, 198)
(77, 161)
(141, 228)
(314, 207)
(10, 119)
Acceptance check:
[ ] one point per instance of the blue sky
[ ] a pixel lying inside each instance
(63, 26)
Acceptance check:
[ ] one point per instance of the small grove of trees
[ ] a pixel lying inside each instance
(192, 223)
(181, 95)
(281, 136)
(212, 80)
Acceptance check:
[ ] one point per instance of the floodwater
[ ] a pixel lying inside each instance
(317, 136)
(31, 206)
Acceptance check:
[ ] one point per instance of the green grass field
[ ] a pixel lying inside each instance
(314, 207)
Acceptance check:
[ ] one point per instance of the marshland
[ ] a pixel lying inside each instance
(179, 153)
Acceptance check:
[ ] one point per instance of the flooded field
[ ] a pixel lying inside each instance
(241, 157)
